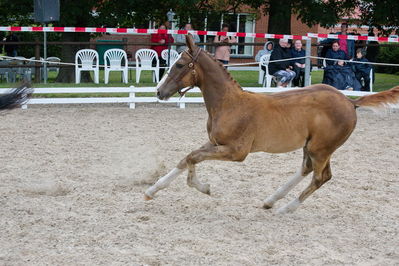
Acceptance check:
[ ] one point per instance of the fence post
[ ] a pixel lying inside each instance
(37, 64)
(307, 61)
(132, 98)
(182, 103)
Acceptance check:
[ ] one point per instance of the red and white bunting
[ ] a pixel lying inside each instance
(143, 31)
(352, 37)
(196, 32)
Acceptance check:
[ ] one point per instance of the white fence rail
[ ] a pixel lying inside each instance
(132, 99)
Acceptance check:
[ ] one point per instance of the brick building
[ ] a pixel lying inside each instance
(240, 22)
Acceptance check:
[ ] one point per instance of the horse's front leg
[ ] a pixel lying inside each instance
(207, 152)
(192, 180)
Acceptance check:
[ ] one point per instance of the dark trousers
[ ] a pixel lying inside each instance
(162, 65)
(366, 80)
(299, 80)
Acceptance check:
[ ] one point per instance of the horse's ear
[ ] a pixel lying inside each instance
(190, 43)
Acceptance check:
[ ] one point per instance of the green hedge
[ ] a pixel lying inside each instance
(388, 54)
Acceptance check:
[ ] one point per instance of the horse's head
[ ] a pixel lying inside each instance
(182, 74)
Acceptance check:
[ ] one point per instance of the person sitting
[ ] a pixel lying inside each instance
(337, 73)
(222, 52)
(282, 71)
(267, 49)
(336, 53)
(180, 38)
(362, 71)
(299, 64)
(162, 41)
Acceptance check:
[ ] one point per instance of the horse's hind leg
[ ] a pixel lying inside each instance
(280, 193)
(322, 173)
(193, 181)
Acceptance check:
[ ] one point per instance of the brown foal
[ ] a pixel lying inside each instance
(318, 119)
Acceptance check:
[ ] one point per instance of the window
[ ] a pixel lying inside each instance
(242, 22)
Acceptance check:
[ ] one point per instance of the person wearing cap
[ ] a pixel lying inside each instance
(282, 71)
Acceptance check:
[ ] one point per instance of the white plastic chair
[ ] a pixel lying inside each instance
(52, 65)
(87, 60)
(31, 69)
(144, 58)
(371, 80)
(174, 55)
(264, 77)
(4, 71)
(113, 61)
(20, 71)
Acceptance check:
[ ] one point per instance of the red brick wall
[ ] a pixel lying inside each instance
(297, 28)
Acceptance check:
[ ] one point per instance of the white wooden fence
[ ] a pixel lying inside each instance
(132, 99)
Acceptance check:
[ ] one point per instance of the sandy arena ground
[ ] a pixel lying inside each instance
(72, 182)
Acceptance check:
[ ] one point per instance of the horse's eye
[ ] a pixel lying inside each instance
(179, 65)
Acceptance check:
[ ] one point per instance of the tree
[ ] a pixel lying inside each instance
(380, 14)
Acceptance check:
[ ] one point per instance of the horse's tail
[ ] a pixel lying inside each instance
(384, 99)
(16, 97)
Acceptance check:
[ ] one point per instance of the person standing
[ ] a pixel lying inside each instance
(11, 49)
(222, 52)
(162, 40)
(348, 46)
(180, 38)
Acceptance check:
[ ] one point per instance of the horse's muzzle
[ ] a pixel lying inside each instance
(161, 96)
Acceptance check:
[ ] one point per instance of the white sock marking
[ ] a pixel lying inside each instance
(283, 190)
(163, 182)
(290, 207)
(162, 81)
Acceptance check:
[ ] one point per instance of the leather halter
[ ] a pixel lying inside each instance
(188, 67)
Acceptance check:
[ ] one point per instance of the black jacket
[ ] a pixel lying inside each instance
(11, 47)
(279, 53)
(361, 68)
(335, 55)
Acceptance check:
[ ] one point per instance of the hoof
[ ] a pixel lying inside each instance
(282, 211)
(146, 197)
(207, 189)
(267, 206)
